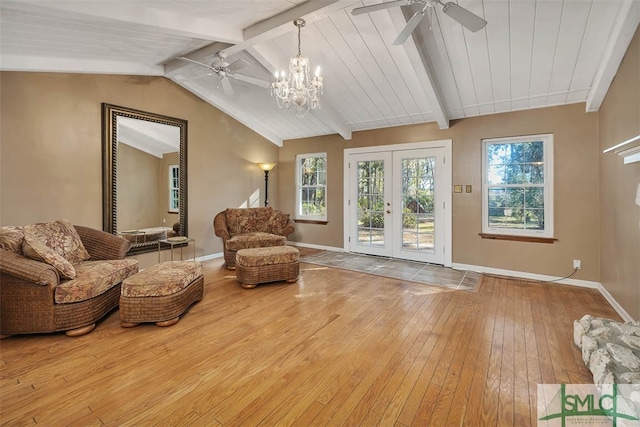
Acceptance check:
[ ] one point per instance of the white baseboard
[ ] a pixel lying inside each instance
(312, 246)
(621, 311)
(208, 257)
(544, 278)
(488, 270)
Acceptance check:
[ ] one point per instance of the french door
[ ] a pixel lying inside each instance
(399, 204)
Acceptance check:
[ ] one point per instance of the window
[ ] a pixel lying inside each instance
(517, 191)
(174, 188)
(311, 192)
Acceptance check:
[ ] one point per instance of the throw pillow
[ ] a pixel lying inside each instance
(11, 239)
(277, 223)
(33, 248)
(62, 237)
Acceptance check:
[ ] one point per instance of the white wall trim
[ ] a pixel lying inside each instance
(209, 257)
(312, 246)
(621, 311)
(489, 270)
(446, 144)
(544, 278)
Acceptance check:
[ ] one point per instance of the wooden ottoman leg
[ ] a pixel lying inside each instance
(128, 324)
(168, 322)
(80, 331)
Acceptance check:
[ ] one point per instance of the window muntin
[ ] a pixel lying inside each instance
(174, 188)
(518, 186)
(311, 194)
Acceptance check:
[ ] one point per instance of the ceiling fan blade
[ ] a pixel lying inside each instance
(252, 80)
(467, 19)
(374, 7)
(184, 58)
(237, 65)
(226, 86)
(408, 29)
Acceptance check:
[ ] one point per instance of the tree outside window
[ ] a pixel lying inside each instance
(311, 172)
(517, 186)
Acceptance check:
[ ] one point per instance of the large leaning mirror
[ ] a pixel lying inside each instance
(144, 176)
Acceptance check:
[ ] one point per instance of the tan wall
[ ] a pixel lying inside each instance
(620, 217)
(138, 191)
(576, 219)
(50, 131)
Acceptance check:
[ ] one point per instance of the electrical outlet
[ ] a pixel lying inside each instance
(577, 264)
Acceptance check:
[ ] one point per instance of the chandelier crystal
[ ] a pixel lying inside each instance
(298, 90)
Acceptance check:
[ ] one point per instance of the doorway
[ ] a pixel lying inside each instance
(398, 201)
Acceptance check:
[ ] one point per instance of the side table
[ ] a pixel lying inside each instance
(181, 241)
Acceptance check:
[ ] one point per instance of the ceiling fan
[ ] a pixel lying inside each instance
(467, 19)
(224, 71)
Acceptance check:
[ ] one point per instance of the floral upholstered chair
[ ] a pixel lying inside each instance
(250, 228)
(59, 277)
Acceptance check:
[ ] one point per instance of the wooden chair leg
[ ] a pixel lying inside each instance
(168, 322)
(80, 331)
(128, 324)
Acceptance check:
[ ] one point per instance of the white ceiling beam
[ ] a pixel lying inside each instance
(264, 30)
(177, 66)
(330, 117)
(423, 68)
(68, 65)
(267, 30)
(627, 22)
(223, 105)
(134, 13)
(275, 26)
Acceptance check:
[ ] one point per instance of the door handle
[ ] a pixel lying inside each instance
(388, 204)
(388, 211)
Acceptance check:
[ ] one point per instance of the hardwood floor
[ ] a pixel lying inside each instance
(337, 348)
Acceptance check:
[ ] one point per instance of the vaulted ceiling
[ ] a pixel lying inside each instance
(531, 54)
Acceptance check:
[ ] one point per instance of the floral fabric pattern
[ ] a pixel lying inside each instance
(62, 237)
(11, 239)
(248, 220)
(273, 255)
(167, 278)
(94, 278)
(254, 240)
(33, 248)
(277, 222)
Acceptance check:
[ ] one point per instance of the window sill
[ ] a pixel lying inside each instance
(311, 221)
(518, 238)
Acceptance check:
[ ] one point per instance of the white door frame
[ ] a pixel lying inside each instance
(446, 144)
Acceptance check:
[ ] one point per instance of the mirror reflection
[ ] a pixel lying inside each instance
(145, 173)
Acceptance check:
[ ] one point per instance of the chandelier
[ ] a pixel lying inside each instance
(298, 90)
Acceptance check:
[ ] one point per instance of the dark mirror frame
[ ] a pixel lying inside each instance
(110, 113)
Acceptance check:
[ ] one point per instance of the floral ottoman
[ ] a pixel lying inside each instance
(161, 293)
(270, 264)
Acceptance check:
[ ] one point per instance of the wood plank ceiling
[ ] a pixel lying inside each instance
(531, 54)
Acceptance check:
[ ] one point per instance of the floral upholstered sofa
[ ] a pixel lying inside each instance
(59, 277)
(250, 228)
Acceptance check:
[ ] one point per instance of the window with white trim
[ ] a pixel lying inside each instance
(517, 186)
(311, 186)
(174, 188)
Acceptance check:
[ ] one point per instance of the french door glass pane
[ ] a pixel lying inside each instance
(418, 190)
(371, 202)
